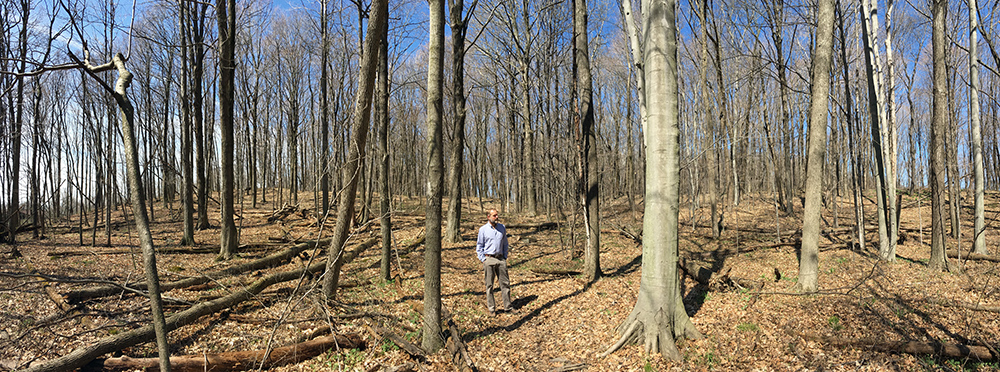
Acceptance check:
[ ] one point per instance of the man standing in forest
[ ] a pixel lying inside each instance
(492, 249)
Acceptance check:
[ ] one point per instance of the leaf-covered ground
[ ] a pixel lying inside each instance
(757, 324)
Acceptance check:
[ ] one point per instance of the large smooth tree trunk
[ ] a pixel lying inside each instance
(432, 337)
(939, 125)
(822, 56)
(659, 318)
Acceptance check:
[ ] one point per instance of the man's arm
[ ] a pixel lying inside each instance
(480, 246)
(504, 245)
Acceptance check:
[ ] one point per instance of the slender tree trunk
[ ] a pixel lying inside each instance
(201, 142)
(432, 338)
(356, 151)
(979, 238)
(324, 124)
(886, 201)
(453, 232)
(382, 118)
(187, 142)
(138, 198)
(226, 11)
(939, 124)
(856, 184)
(591, 170)
(809, 256)
(13, 216)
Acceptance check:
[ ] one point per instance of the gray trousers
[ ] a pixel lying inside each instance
(497, 268)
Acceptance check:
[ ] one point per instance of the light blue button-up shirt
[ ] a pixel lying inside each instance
(492, 240)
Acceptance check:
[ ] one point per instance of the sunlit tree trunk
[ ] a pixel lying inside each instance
(979, 238)
(356, 148)
(939, 125)
(591, 169)
(432, 339)
(820, 95)
(659, 318)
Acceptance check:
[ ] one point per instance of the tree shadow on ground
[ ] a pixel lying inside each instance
(525, 317)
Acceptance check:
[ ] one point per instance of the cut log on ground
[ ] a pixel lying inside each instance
(237, 360)
(973, 352)
(80, 357)
(276, 259)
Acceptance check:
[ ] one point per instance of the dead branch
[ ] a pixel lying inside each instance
(407, 346)
(536, 226)
(282, 213)
(963, 305)
(274, 260)
(456, 347)
(974, 256)
(907, 347)
(555, 271)
(80, 357)
(237, 360)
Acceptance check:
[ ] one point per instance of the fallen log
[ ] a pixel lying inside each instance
(276, 259)
(555, 271)
(537, 226)
(80, 357)
(980, 353)
(234, 361)
(974, 256)
(190, 250)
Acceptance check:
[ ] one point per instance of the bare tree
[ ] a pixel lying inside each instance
(226, 12)
(659, 318)
(822, 56)
(589, 168)
(432, 340)
(979, 238)
(939, 124)
(356, 154)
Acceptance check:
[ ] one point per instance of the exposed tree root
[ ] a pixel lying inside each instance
(234, 361)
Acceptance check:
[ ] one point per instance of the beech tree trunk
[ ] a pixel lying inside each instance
(659, 318)
(979, 179)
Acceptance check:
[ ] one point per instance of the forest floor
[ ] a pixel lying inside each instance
(752, 321)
